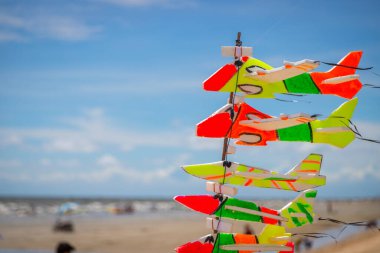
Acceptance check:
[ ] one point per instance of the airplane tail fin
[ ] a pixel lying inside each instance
(341, 79)
(311, 165)
(345, 110)
(300, 211)
(352, 59)
(270, 232)
(335, 129)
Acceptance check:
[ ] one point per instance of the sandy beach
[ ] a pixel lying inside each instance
(131, 233)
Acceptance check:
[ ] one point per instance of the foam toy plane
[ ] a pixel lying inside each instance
(303, 176)
(259, 80)
(272, 238)
(252, 127)
(296, 213)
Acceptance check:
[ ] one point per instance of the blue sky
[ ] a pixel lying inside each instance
(101, 97)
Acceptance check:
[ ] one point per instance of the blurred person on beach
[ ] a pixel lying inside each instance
(372, 224)
(64, 247)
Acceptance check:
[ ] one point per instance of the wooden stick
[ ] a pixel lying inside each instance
(225, 142)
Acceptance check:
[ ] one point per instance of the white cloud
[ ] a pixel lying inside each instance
(93, 132)
(5, 164)
(9, 20)
(11, 36)
(354, 174)
(45, 26)
(70, 145)
(107, 168)
(10, 139)
(64, 28)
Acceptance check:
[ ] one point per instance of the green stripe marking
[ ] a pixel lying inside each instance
(295, 219)
(223, 239)
(236, 215)
(311, 194)
(295, 133)
(303, 209)
(301, 84)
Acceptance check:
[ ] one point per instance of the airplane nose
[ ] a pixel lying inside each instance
(195, 247)
(215, 126)
(288, 244)
(217, 80)
(201, 203)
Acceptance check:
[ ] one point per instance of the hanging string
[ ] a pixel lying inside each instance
(368, 224)
(376, 74)
(352, 127)
(316, 235)
(373, 86)
(292, 101)
(250, 69)
(293, 94)
(369, 140)
(344, 66)
(233, 118)
(226, 144)
(355, 223)
(225, 148)
(355, 130)
(357, 68)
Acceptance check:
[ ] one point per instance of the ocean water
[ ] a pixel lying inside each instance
(31, 251)
(24, 251)
(45, 207)
(99, 207)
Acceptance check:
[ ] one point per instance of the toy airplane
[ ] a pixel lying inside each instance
(259, 80)
(296, 213)
(272, 238)
(252, 127)
(303, 176)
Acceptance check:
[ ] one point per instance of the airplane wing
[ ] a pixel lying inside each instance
(255, 247)
(254, 212)
(217, 171)
(243, 175)
(284, 121)
(290, 69)
(266, 176)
